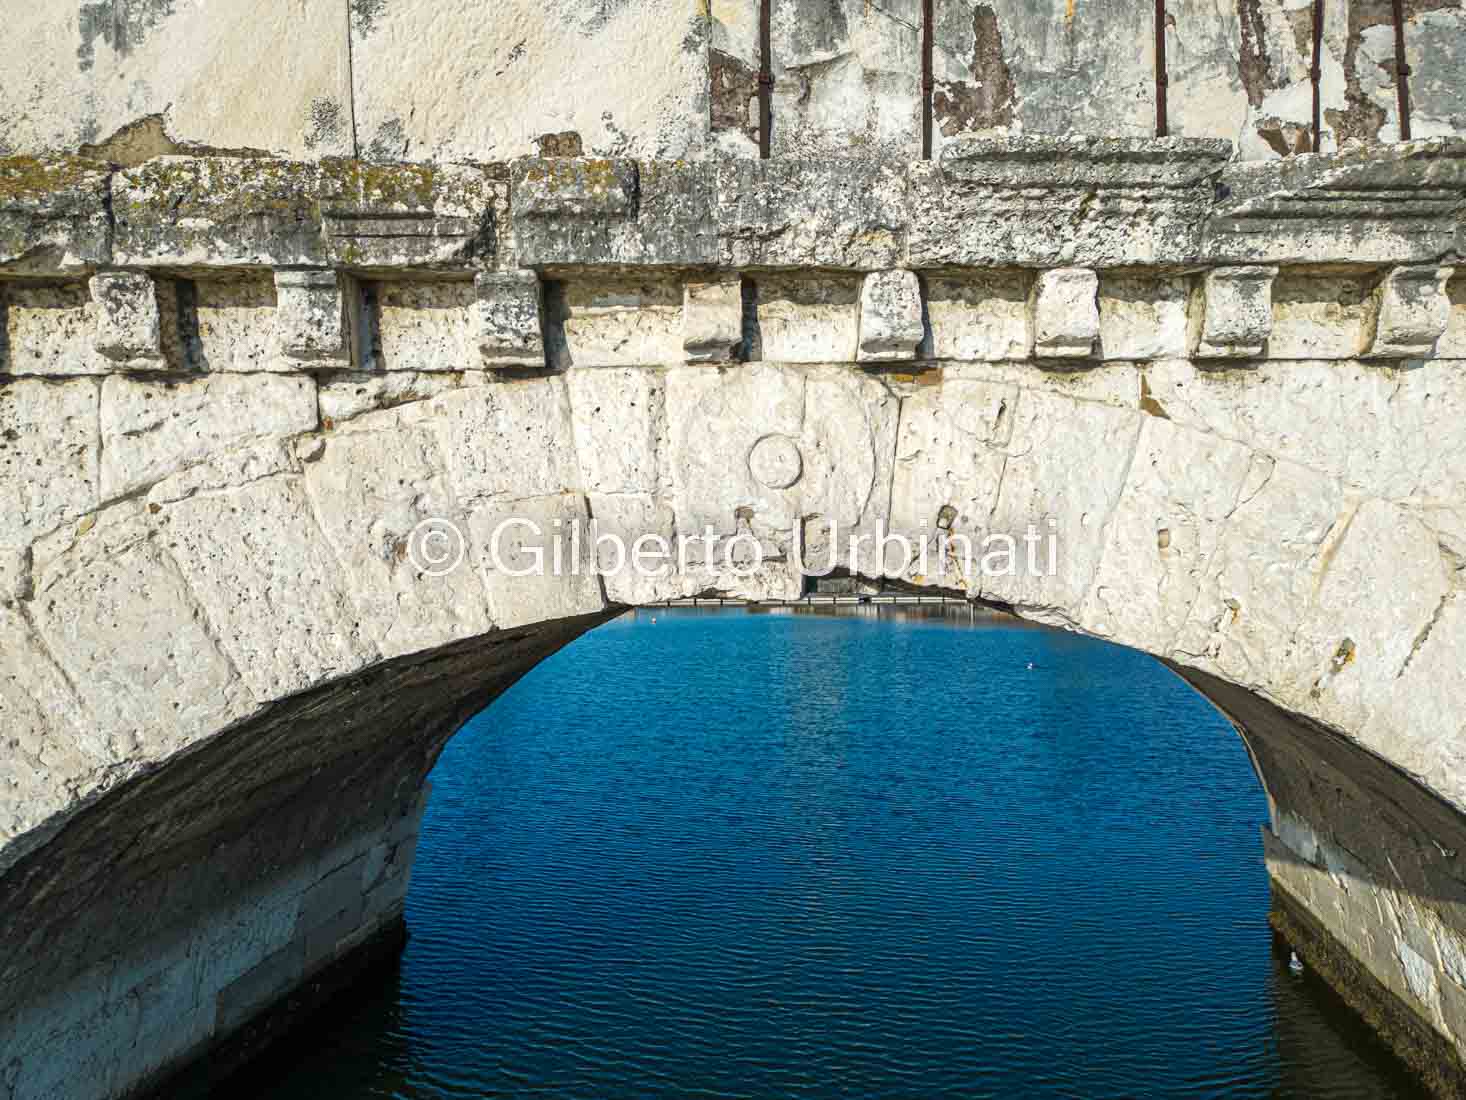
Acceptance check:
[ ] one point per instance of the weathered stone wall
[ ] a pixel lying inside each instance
(443, 80)
(176, 912)
(232, 388)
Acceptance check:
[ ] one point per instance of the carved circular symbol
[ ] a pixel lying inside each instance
(775, 461)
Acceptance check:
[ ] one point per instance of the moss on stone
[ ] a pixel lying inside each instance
(29, 179)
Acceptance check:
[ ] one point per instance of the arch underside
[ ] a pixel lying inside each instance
(281, 848)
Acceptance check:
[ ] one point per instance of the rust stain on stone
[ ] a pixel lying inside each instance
(566, 143)
(145, 138)
(1253, 59)
(1285, 138)
(1148, 404)
(1361, 119)
(987, 100)
(735, 89)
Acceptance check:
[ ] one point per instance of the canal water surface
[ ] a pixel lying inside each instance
(892, 854)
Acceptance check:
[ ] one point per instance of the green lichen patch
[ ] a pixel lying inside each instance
(25, 180)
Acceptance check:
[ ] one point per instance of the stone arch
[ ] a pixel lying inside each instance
(231, 681)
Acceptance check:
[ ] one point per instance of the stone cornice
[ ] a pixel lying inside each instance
(1027, 202)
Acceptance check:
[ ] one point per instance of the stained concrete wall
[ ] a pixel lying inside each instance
(447, 80)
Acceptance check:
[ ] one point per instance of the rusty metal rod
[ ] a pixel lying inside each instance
(1402, 71)
(928, 85)
(765, 79)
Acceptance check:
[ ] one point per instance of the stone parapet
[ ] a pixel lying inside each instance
(986, 202)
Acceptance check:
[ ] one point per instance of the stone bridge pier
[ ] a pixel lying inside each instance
(286, 421)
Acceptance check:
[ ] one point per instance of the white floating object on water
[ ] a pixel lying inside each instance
(1295, 964)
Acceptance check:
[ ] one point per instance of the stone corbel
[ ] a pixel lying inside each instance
(310, 315)
(128, 323)
(1232, 313)
(890, 317)
(1063, 312)
(1408, 314)
(712, 320)
(508, 307)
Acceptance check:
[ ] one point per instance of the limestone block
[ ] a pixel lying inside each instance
(1243, 72)
(412, 215)
(49, 453)
(1052, 436)
(1142, 317)
(158, 77)
(575, 187)
(621, 519)
(382, 498)
(1319, 316)
(1417, 702)
(757, 450)
(310, 315)
(424, 67)
(150, 431)
(1114, 383)
(712, 320)
(619, 419)
(803, 320)
(798, 213)
(50, 329)
(508, 315)
(50, 740)
(536, 558)
(504, 441)
(848, 447)
(178, 211)
(1064, 313)
(1181, 488)
(890, 316)
(269, 584)
(950, 455)
(342, 398)
(618, 322)
(846, 74)
(114, 587)
(716, 420)
(1232, 312)
(426, 326)
(53, 211)
(236, 325)
(1042, 201)
(983, 315)
(580, 212)
(127, 316)
(1408, 313)
(1255, 589)
(1346, 206)
(1352, 650)
(1412, 420)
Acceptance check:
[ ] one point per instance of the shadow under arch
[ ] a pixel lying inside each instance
(209, 904)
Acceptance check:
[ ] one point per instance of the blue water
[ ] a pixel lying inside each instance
(764, 855)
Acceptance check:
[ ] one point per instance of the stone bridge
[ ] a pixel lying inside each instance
(242, 395)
